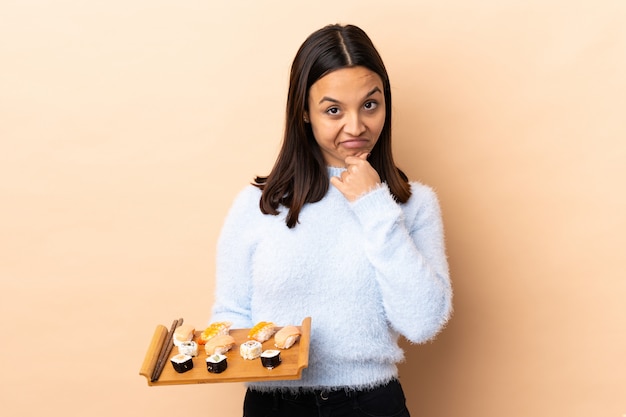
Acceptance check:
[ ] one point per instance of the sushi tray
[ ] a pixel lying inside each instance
(159, 370)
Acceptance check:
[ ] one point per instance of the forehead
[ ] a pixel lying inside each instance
(350, 81)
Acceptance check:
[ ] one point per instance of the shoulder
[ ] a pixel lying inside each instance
(421, 192)
(423, 201)
(246, 197)
(245, 204)
(249, 194)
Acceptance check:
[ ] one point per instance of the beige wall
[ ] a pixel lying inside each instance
(128, 126)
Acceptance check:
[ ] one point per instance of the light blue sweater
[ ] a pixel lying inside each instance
(365, 272)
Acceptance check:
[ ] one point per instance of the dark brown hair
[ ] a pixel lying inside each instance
(300, 175)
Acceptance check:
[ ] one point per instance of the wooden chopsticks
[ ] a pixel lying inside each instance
(165, 351)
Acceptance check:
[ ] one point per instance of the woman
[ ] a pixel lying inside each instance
(338, 233)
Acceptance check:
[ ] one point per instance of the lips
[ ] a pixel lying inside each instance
(355, 143)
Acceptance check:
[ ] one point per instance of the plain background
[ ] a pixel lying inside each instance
(127, 127)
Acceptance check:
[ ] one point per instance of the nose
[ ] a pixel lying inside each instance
(354, 124)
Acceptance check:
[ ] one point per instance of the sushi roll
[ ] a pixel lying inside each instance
(188, 348)
(251, 349)
(214, 329)
(270, 358)
(182, 363)
(216, 364)
(262, 331)
(219, 344)
(286, 337)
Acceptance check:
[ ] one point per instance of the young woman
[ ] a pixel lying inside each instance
(338, 233)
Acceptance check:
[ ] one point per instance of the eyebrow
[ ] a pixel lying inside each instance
(333, 100)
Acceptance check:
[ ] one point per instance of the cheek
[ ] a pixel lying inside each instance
(377, 125)
(323, 132)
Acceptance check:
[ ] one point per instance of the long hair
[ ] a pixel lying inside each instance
(300, 175)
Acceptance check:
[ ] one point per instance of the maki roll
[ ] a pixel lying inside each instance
(216, 363)
(182, 363)
(270, 358)
(250, 349)
(188, 348)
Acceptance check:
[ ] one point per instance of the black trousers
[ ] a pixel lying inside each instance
(385, 401)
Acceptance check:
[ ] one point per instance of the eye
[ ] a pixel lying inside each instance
(333, 111)
(370, 105)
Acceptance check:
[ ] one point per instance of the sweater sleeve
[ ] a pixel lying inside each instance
(405, 244)
(233, 262)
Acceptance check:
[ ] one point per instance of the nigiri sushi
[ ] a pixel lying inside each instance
(286, 337)
(262, 331)
(214, 329)
(219, 344)
(183, 333)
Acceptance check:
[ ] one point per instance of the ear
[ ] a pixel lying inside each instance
(306, 117)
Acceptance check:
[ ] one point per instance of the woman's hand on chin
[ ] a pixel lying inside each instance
(359, 177)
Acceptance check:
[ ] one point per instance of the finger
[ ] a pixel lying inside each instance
(355, 164)
(336, 181)
(354, 160)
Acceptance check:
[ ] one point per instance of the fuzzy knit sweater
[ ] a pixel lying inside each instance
(365, 272)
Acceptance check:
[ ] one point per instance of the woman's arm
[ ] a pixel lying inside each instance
(405, 245)
(233, 262)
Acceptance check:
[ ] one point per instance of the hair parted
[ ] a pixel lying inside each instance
(300, 175)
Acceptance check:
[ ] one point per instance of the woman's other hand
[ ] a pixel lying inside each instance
(358, 178)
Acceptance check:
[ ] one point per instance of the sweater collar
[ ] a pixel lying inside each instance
(335, 171)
